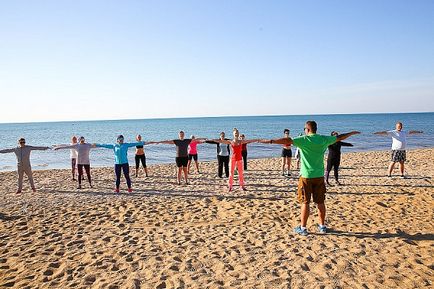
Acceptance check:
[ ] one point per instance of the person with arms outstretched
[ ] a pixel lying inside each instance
(236, 159)
(120, 149)
(334, 158)
(399, 142)
(192, 153)
(181, 155)
(286, 155)
(22, 153)
(83, 161)
(140, 157)
(223, 152)
(311, 184)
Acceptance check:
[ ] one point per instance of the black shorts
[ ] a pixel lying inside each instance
(181, 161)
(192, 157)
(286, 153)
(398, 156)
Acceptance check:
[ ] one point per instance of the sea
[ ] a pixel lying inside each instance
(106, 131)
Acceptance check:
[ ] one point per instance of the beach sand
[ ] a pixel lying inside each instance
(200, 236)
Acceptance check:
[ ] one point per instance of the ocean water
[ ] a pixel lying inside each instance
(50, 133)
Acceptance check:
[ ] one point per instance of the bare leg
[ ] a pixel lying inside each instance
(185, 174)
(179, 175)
(304, 214)
(283, 166)
(288, 160)
(401, 167)
(197, 166)
(322, 213)
(391, 166)
(188, 165)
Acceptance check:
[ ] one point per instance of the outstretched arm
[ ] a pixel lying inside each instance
(38, 148)
(346, 144)
(250, 141)
(381, 132)
(415, 131)
(284, 141)
(164, 142)
(228, 142)
(346, 135)
(106, 146)
(5, 151)
(62, 147)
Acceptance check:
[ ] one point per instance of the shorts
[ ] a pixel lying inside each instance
(311, 188)
(192, 157)
(181, 161)
(73, 163)
(398, 156)
(286, 153)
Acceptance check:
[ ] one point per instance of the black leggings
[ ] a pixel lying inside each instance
(126, 169)
(141, 158)
(333, 162)
(244, 154)
(80, 173)
(223, 161)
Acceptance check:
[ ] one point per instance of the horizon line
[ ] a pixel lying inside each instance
(220, 116)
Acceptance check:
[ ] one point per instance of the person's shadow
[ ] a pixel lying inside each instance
(408, 238)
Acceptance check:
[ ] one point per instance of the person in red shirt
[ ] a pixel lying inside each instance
(236, 158)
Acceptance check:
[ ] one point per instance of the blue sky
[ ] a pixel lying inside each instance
(81, 60)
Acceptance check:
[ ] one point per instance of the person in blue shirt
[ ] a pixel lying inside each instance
(121, 159)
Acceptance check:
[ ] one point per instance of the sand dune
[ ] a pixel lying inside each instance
(200, 236)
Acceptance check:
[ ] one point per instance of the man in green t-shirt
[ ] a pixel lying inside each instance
(311, 183)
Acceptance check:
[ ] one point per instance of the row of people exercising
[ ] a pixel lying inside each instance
(186, 151)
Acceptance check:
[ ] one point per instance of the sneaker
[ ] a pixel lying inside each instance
(322, 229)
(79, 187)
(299, 231)
(130, 190)
(389, 176)
(289, 174)
(403, 177)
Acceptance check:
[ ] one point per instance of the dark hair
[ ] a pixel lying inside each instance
(286, 130)
(120, 136)
(312, 125)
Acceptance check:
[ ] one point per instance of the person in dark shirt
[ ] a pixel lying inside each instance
(181, 154)
(334, 158)
(223, 153)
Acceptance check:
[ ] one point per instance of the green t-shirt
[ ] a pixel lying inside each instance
(312, 148)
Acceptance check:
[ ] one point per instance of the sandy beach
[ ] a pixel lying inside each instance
(200, 236)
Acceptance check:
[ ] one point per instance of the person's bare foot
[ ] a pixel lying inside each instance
(243, 188)
(18, 192)
(34, 190)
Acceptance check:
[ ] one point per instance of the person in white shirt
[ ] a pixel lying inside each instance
(73, 155)
(399, 142)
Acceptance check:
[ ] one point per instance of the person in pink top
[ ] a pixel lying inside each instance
(192, 152)
(236, 158)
